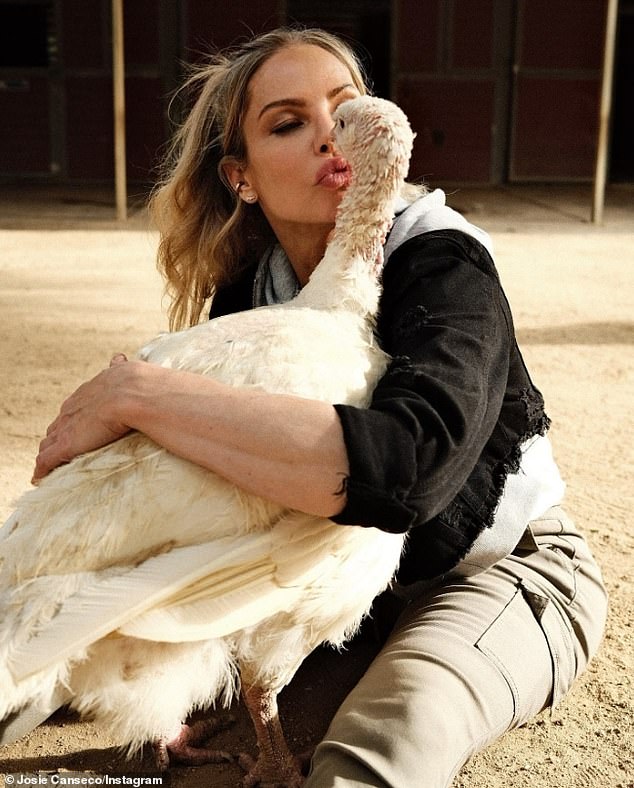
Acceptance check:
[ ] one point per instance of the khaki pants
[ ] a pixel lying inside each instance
(468, 660)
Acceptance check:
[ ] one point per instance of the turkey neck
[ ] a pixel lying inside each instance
(347, 276)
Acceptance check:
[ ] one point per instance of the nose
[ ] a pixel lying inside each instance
(324, 130)
(329, 145)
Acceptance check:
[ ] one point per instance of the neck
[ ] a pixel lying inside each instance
(364, 220)
(304, 248)
(347, 276)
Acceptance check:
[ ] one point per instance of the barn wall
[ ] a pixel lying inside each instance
(444, 78)
(497, 89)
(500, 90)
(556, 89)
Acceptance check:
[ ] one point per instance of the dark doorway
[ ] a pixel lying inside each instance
(28, 61)
(24, 34)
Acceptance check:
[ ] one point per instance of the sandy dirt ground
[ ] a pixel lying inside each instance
(75, 287)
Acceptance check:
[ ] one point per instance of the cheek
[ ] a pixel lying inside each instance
(284, 183)
(289, 164)
(276, 166)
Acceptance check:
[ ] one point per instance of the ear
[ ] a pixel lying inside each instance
(233, 171)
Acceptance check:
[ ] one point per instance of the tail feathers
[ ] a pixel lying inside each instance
(38, 696)
(106, 601)
(26, 718)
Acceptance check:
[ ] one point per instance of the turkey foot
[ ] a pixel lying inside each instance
(187, 747)
(275, 766)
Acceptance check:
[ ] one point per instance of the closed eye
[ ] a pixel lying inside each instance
(284, 128)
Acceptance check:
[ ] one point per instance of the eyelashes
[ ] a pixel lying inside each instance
(287, 126)
(284, 128)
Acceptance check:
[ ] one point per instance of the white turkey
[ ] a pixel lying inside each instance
(145, 586)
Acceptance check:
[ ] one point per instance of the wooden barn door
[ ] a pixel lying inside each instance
(555, 89)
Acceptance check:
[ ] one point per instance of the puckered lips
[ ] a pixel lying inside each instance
(335, 173)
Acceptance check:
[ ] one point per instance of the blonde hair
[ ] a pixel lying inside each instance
(208, 234)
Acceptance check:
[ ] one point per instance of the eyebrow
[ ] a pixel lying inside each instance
(296, 102)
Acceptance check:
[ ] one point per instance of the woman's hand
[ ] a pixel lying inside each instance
(86, 421)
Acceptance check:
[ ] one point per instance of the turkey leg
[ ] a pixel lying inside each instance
(275, 766)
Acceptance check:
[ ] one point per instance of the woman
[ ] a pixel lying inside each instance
(504, 605)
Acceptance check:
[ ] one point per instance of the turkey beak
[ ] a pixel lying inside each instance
(332, 140)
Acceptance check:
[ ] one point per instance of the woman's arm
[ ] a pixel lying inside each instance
(284, 448)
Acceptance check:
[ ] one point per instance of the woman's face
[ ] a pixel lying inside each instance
(291, 165)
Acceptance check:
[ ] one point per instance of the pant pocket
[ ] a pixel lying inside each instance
(532, 647)
(559, 638)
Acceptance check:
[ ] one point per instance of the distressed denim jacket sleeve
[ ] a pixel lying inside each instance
(446, 423)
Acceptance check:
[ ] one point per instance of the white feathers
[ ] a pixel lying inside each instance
(105, 601)
(138, 580)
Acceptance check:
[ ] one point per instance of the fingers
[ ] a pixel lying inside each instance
(49, 456)
(82, 423)
(40, 471)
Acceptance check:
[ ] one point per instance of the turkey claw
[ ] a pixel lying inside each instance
(187, 747)
(258, 775)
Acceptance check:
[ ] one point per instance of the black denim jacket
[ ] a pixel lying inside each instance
(444, 429)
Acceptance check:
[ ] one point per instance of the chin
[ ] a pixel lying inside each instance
(328, 204)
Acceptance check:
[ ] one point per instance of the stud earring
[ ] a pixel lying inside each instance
(251, 198)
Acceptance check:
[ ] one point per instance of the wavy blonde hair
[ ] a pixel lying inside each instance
(208, 234)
